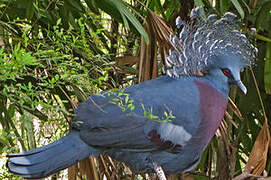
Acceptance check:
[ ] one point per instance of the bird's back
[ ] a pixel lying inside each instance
(197, 108)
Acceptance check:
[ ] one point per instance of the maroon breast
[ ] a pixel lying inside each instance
(212, 108)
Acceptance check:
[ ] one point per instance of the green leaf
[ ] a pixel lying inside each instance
(30, 9)
(263, 16)
(92, 6)
(263, 38)
(76, 4)
(118, 10)
(156, 6)
(29, 127)
(126, 99)
(125, 12)
(224, 6)
(3, 141)
(247, 6)
(58, 22)
(169, 6)
(129, 69)
(239, 8)
(199, 3)
(8, 26)
(267, 69)
(11, 110)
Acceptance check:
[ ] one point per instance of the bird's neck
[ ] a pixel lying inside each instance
(219, 81)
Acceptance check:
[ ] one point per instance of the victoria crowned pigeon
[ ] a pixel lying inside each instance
(168, 120)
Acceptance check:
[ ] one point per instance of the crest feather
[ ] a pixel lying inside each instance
(204, 38)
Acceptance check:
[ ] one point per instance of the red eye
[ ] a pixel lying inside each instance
(227, 72)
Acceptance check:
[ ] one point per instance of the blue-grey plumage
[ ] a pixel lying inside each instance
(49, 159)
(168, 120)
(102, 127)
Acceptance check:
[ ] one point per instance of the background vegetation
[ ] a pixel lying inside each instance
(55, 53)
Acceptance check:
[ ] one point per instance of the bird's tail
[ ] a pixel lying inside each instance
(49, 159)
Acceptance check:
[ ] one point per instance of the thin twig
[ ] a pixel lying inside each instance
(142, 4)
(105, 167)
(246, 175)
(95, 104)
(159, 171)
(235, 109)
(38, 18)
(259, 95)
(74, 106)
(4, 12)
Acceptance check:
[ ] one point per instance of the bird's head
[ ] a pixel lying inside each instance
(229, 67)
(211, 44)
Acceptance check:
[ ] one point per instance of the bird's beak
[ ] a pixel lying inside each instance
(241, 86)
(237, 80)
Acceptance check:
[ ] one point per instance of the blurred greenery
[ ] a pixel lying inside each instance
(56, 53)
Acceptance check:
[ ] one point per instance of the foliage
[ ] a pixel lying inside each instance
(122, 100)
(126, 104)
(55, 53)
(43, 71)
(148, 114)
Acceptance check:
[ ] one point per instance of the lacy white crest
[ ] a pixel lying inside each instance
(198, 42)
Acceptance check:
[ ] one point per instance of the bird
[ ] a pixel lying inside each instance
(168, 120)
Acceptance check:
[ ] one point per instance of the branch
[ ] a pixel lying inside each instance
(246, 175)
(159, 171)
